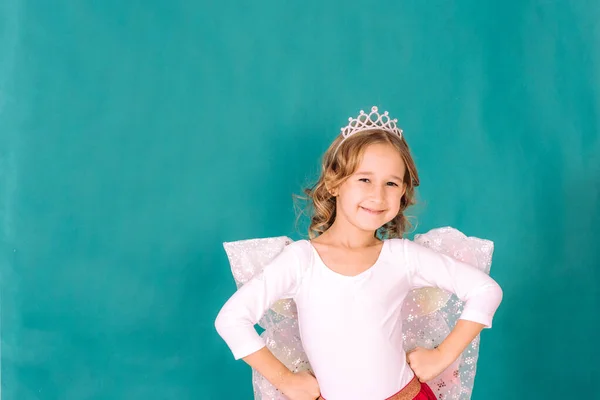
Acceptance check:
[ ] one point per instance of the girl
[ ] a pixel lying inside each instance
(349, 281)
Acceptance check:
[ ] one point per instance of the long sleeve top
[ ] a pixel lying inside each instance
(350, 326)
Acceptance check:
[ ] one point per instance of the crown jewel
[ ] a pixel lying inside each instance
(373, 120)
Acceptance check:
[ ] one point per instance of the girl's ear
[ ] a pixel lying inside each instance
(331, 191)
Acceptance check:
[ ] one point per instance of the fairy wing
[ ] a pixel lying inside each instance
(429, 314)
(248, 258)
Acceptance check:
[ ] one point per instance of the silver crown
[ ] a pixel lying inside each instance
(373, 120)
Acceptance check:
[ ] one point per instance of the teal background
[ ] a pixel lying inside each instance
(136, 137)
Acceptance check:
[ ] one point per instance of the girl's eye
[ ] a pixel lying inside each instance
(392, 184)
(366, 180)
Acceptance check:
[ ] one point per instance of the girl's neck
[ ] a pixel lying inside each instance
(345, 235)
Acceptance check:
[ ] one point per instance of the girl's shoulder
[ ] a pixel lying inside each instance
(400, 247)
(302, 248)
(299, 250)
(396, 245)
(249, 257)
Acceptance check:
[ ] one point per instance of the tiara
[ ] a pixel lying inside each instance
(373, 120)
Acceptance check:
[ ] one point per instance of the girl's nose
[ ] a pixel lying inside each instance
(377, 193)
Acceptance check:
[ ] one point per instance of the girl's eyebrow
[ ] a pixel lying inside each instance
(369, 173)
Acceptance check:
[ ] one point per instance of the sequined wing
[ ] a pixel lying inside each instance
(247, 259)
(429, 314)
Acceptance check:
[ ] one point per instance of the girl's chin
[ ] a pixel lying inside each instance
(371, 224)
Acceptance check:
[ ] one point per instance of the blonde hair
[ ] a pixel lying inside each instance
(339, 162)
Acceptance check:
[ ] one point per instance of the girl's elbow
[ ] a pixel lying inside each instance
(222, 321)
(497, 293)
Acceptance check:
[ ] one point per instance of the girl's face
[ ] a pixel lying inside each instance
(370, 197)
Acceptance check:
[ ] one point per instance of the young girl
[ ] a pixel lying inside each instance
(350, 280)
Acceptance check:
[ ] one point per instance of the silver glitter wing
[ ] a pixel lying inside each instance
(428, 314)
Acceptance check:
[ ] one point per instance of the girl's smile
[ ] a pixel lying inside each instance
(374, 212)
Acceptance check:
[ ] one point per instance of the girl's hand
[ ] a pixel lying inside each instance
(301, 386)
(427, 363)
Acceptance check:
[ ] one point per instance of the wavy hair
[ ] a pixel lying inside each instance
(339, 162)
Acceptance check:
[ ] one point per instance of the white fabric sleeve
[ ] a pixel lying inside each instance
(236, 319)
(481, 294)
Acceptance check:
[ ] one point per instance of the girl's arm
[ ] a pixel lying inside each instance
(459, 338)
(237, 318)
(298, 386)
(269, 366)
(481, 294)
(429, 363)
(427, 268)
